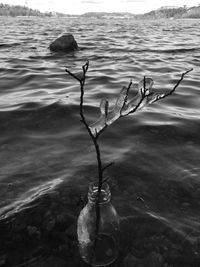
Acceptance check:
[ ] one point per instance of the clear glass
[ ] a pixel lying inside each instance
(98, 249)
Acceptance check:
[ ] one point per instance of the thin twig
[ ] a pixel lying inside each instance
(107, 166)
(106, 179)
(73, 75)
(159, 97)
(126, 97)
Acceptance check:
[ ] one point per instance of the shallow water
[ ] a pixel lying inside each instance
(43, 143)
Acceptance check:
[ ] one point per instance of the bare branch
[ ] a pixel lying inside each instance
(85, 69)
(73, 75)
(145, 95)
(83, 119)
(126, 97)
(106, 179)
(95, 142)
(107, 166)
(159, 97)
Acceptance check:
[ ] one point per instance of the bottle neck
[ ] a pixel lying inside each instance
(105, 194)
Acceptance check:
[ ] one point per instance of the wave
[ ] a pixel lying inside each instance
(167, 51)
(41, 136)
(9, 45)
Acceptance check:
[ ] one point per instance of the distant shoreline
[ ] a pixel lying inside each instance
(79, 16)
(161, 13)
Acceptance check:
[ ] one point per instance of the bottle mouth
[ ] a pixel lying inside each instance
(104, 194)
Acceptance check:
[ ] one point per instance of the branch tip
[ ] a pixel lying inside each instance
(107, 166)
(174, 88)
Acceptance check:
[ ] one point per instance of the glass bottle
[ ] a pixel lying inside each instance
(98, 239)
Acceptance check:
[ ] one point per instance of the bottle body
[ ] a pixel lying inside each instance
(98, 229)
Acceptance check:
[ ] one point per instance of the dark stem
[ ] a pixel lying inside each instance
(143, 95)
(83, 120)
(96, 145)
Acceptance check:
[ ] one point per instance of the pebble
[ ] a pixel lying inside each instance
(49, 224)
(64, 220)
(130, 261)
(33, 231)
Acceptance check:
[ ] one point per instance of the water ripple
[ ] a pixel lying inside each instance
(156, 151)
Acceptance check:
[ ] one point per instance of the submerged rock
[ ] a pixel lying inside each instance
(66, 43)
(33, 232)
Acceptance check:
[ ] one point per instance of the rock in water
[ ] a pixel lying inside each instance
(65, 43)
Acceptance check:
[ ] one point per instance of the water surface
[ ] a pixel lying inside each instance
(43, 143)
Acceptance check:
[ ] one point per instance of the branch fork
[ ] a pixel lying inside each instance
(123, 107)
